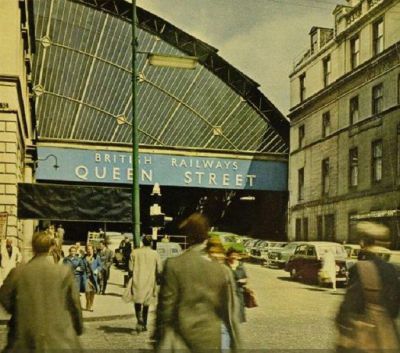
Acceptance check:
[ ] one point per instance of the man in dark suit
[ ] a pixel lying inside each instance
(197, 308)
(43, 302)
(106, 257)
(354, 303)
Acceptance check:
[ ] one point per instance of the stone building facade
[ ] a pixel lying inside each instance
(16, 115)
(345, 125)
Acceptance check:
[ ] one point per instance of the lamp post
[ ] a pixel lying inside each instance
(171, 61)
(135, 141)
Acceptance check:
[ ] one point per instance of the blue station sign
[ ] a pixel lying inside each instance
(101, 166)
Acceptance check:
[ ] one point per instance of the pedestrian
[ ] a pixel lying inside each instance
(329, 267)
(79, 251)
(10, 257)
(60, 234)
(92, 264)
(372, 299)
(197, 308)
(233, 258)
(215, 250)
(145, 265)
(77, 266)
(106, 258)
(44, 305)
(126, 252)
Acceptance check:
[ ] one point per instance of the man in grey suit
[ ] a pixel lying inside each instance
(43, 302)
(106, 258)
(197, 309)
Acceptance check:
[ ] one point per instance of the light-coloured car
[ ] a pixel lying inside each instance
(279, 256)
(167, 250)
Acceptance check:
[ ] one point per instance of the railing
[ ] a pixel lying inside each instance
(179, 239)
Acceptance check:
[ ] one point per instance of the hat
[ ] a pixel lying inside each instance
(372, 230)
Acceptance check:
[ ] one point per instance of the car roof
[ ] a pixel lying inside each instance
(322, 243)
(223, 233)
(353, 246)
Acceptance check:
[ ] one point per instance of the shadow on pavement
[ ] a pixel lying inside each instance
(316, 289)
(113, 294)
(116, 284)
(287, 279)
(114, 329)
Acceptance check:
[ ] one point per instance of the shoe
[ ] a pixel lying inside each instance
(139, 328)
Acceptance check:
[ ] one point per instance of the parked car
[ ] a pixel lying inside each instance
(167, 250)
(353, 250)
(229, 240)
(279, 256)
(259, 252)
(306, 261)
(271, 247)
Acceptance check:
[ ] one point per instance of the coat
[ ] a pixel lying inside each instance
(354, 302)
(78, 267)
(7, 263)
(145, 264)
(106, 257)
(197, 297)
(44, 306)
(239, 274)
(91, 271)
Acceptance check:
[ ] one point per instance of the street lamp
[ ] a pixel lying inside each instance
(171, 61)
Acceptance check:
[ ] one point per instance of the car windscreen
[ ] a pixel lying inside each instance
(338, 250)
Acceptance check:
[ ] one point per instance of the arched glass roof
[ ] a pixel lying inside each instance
(82, 83)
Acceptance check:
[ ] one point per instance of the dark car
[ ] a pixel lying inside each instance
(306, 261)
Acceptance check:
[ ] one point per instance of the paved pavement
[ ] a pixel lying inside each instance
(290, 315)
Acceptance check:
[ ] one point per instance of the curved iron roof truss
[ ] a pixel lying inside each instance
(82, 83)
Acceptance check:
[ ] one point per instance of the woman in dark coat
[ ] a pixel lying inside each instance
(239, 274)
(77, 266)
(92, 264)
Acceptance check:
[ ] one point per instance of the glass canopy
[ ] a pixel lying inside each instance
(82, 84)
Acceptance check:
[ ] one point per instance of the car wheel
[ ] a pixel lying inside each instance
(293, 274)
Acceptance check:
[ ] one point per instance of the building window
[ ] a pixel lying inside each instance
(377, 34)
(353, 110)
(326, 124)
(305, 229)
(320, 229)
(314, 42)
(398, 89)
(302, 80)
(377, 99)
(353, 236)
(398, 150)
(325, 176)
(327, 70)
(330, 228)
(302, 133)
(355, 52)
(353, 167)
(377, 161)
(300, 175)
(298, 228)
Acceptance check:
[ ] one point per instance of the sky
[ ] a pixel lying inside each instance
(261, 38)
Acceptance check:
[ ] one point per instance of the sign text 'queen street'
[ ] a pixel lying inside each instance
(96, 166)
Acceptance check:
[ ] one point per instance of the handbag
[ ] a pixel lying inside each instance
(249, 298)
(127, 295)
(374, 331)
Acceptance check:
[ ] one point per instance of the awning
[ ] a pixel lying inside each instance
(74, 203)
(375, 214)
